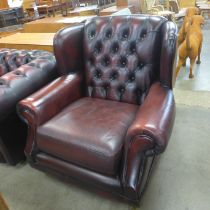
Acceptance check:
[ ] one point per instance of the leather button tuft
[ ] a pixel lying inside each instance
(108, 33)
(121, 89)
(113, 76)
(140, 65)
(106, 60)
(131, 78)
(132, 47)
(98, 47)
(123, 61)
(115, 47)
(125, 34)
(98, 74)
(106, 86)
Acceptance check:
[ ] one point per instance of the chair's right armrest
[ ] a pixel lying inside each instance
(47, 102)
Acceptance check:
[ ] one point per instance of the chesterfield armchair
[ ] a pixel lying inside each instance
(111, 113)
(22, 72)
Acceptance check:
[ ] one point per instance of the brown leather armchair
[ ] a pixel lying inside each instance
(22, 72)
(112, 112)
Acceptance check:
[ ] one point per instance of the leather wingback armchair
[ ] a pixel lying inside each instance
(22, 72)
(112, 112)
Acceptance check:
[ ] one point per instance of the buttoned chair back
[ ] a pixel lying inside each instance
(120, 62)
(121, 57)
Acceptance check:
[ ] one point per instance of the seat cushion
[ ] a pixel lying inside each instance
(89, 132)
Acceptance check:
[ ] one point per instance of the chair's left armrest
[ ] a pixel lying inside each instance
(155, 118)
(148, 135)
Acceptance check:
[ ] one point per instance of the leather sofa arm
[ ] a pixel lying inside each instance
(148, 135)
(68, 49)
(155, 118)
(168, 54)
(48, 101)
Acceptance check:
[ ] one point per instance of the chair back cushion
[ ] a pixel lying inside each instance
(122, 56)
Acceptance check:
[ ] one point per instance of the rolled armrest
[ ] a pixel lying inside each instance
(148, 135)
(48, 101)
(155, 118)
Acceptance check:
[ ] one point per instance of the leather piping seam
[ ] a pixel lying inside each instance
(126, 159)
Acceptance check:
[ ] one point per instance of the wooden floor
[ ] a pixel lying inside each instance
(40, 41)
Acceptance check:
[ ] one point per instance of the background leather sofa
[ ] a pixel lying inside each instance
(22, 72)
(112, 112)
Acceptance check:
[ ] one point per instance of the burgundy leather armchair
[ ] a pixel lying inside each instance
(111, 113)
(22, 72)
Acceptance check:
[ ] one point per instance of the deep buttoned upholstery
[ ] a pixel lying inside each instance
(22, 72)
(120, 58)
(11, 59)
(111, 112)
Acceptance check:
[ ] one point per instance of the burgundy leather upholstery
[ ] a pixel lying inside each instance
(120, 61)
(112, 111)
(22, 73)
(60, 140)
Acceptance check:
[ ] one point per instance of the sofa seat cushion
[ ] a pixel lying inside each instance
(89, 132)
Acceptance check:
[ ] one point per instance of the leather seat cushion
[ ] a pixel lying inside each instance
(89, 132)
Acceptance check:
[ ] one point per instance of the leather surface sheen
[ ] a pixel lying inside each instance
(86, 134)
(109, 115)
(121, 57)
